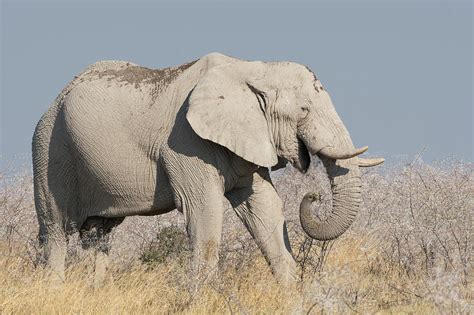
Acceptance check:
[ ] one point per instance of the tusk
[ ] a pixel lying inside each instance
(330, 153)
(370, 162)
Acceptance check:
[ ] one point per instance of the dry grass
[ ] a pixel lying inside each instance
(410, 251)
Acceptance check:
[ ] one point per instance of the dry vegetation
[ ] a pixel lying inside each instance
(410, 251)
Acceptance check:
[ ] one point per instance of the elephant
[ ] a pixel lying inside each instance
(124, 140)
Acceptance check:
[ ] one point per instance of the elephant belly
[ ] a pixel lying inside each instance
(124, 190)
(120, 180)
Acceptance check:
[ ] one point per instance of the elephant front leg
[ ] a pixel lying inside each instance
(261, 210)
(202, 206)
(204, 227)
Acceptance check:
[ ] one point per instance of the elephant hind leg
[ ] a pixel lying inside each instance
(55, 198)
(53, 242)
(55, 190)
(95, 238)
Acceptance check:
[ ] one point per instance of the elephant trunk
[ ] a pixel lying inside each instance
(325, 135)
(329, 139)
(345, 181)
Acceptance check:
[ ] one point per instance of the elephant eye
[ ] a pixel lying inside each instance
(305, 107)
(304, 114)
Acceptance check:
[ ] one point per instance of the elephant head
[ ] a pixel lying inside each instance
(273, 113)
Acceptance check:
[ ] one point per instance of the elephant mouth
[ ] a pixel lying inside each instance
(303, 160)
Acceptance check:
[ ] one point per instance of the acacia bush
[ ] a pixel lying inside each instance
(416, 218)
(409, 250)
(424, 214)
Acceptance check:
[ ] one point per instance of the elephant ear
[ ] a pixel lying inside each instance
(224, 109)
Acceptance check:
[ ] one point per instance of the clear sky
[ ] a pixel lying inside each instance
(399, 72)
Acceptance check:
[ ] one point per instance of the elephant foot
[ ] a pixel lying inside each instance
(101, 265)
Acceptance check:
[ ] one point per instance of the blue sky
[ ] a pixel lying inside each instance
(399, 72)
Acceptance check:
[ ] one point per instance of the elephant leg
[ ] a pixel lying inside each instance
(203, 217)
(54, 249)
(95, 237)
(55, 198)
(192, 167)
(261, 210)
(199, 195)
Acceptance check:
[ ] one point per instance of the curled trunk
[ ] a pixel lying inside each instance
(324, 134)
(345, 181)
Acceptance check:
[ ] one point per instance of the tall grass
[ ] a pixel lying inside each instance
(410, 251)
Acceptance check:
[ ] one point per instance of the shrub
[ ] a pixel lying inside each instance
(171, 243)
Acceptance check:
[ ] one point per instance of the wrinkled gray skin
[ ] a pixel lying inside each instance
(123, 140)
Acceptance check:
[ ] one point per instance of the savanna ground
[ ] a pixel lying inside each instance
(409, 251)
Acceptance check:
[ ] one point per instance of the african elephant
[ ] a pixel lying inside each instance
(123, 140)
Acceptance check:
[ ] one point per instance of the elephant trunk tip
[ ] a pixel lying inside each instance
(310, 224)
(312, 196)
